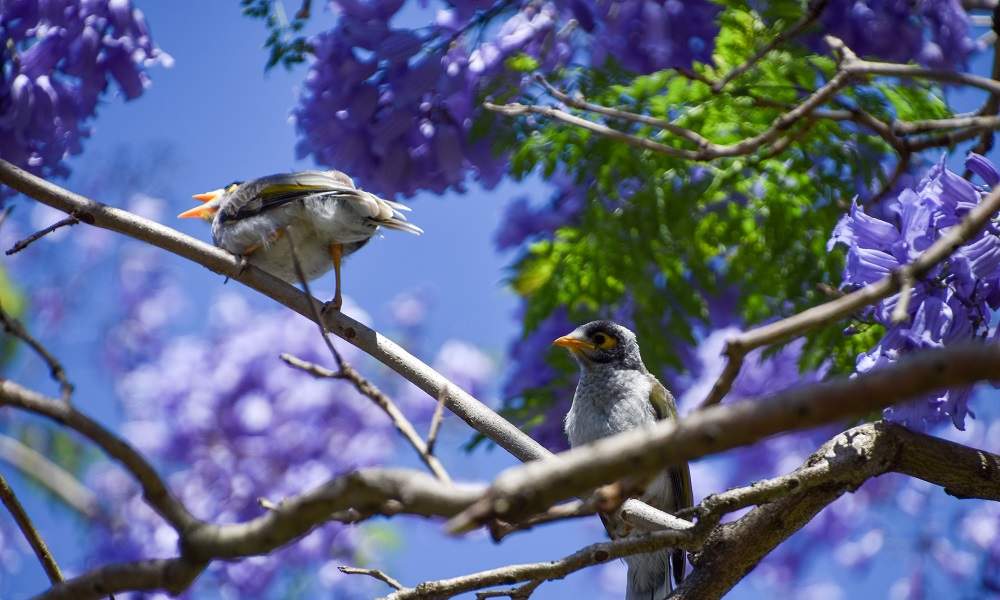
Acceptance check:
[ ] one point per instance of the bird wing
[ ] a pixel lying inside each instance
(269, 193)
(680, 476)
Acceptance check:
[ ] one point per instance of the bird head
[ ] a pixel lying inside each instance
(602, 342)
(212, 202)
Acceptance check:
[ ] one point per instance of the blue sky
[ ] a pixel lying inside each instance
(225, 119)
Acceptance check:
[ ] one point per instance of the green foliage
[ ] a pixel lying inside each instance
(286, 47)
(670, 236)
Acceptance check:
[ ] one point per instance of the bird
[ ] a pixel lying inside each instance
(329, 219)
(616, 393)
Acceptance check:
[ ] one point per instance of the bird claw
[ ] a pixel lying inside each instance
(244, 263)
(332, 305)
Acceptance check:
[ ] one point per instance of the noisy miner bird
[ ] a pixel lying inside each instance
(617, 393)
(329, 219)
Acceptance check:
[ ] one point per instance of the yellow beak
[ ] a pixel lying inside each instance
(568, 341)
(206, 210)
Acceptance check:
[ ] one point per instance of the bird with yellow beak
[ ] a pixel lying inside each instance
(328, 217)
(616, 393)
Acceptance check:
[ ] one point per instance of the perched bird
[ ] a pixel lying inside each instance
(329, 219)
(617, 393)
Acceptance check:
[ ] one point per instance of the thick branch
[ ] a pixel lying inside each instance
(362, 494)
(841, 465)
(173, 575)
(153, 489)
(531, 488)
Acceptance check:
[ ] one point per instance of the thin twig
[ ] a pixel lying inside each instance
(369, 390)
(22, 244)
(48, 474)
(377, 574)
(365, 387)
(15, 328)
(30, 533)
(624, 115)
(436, 420)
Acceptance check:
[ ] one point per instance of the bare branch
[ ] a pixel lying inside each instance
(16, 329)
(372, 573)
(50, 475)
(173, 575)
(528, 489)
(543, 571)
(22, 244)
(840, 465)
(24, 523)
(381, 400)
(153, 489)
(376, 491)
(436, 419)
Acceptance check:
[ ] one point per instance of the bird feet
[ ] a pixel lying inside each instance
(332, 305)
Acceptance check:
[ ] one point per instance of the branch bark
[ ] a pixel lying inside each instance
(522, 491)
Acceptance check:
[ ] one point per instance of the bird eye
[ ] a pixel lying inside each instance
(604, 341)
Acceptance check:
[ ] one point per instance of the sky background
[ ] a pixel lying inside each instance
(221, 118)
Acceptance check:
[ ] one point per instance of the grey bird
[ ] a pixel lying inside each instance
(617, 393)
(329, 218)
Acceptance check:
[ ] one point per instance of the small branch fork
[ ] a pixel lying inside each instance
(785, 504)
(16, 329)
(368, 389)
(849, 69)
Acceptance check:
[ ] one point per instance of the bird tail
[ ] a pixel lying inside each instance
(387, 213)
(649, 575)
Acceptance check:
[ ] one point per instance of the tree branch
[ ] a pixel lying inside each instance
(31, 534)
(49, 475)
(531, 488)
(471, 410)
(371, 391)
(153, 489)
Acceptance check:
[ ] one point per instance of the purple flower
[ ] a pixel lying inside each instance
(953, 304)
(229, 423)
(934, 33)
(58, 59)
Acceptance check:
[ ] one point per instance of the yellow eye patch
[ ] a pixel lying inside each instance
(605, 341)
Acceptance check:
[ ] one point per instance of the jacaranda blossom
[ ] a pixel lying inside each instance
(953, 303)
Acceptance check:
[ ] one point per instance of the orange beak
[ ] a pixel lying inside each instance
(205, 211)
(574, 344)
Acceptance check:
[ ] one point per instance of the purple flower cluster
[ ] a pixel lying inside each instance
(955, 300)
(401, 109)
(231, 423)
(934, 33)
(57, 60)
